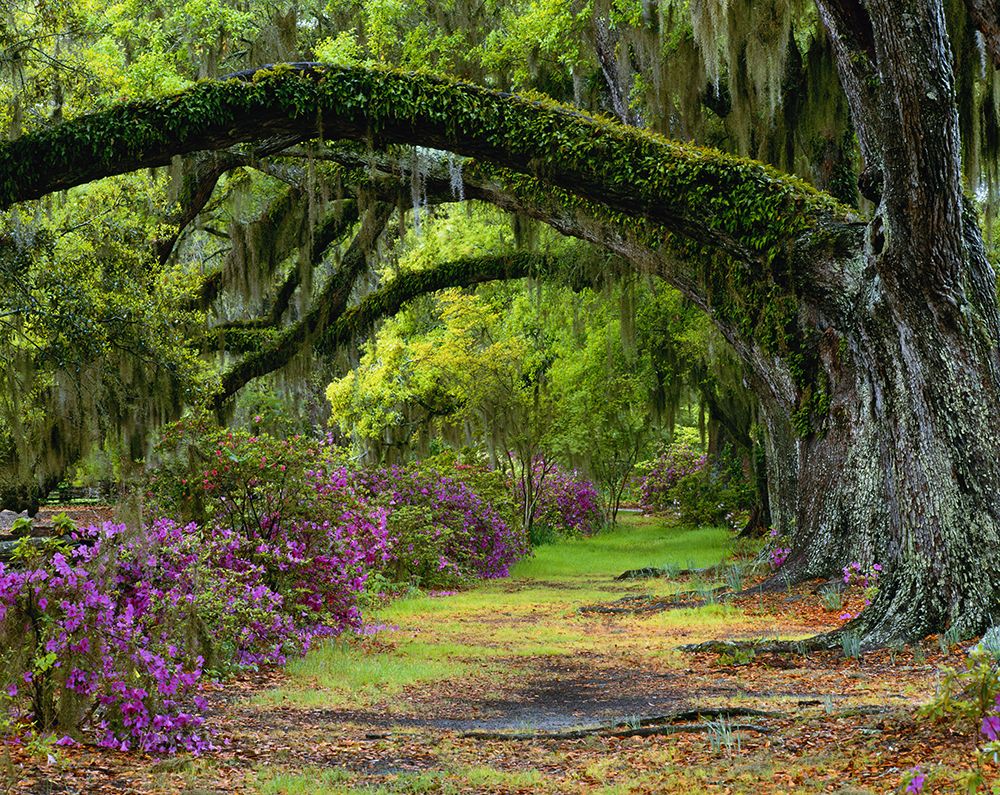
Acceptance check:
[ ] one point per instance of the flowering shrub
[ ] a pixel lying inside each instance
(567, 504)
(663, 474)
(232, 479)
(681, 479)
(491, 485)
(113, 631)
(440, 531)
(972, 697)
(778, 557)
(126, 625)
(71, 647)
(778, 554)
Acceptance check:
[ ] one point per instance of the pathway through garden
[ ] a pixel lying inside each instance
(484, 691)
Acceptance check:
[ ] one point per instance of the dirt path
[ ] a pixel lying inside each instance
(456, 693)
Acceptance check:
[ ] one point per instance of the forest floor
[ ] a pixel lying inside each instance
(484, 691)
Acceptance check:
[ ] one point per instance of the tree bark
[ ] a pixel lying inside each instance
(907, 469)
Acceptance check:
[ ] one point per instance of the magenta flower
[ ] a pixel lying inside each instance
(916, 782)
(991, 727)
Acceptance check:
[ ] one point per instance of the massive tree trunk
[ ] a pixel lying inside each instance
(872, 346)
(906, 468)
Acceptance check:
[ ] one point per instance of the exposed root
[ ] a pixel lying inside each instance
(782, 580)
(824, 642)
(652, 572)
(645, 727)
(646, 603)
(647, 573)
(642, 731)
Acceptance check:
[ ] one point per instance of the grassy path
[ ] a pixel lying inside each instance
(390, 715)
(403, 710)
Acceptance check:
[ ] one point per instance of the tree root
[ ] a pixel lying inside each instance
(646, 727)
(781, 580)
(648, 573)
(642, 731)
(645, 603)
(652, 572)
(824, 642)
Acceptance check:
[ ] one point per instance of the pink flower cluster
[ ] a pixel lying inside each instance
(867, 579)
(778, 557)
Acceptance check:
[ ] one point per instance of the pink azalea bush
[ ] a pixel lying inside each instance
(566, 503)
(440, 532)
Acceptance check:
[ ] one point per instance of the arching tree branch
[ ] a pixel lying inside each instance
(337, 326)
(200, 179)
(466, 272)
(716, 200)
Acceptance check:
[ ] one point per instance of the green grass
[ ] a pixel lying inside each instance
(341, 673)
(497, 599)
(306, 782)
(533, 614)
(638, 542)
(337, 782)
(694, 617)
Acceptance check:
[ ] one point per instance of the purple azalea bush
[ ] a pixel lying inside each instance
(566, 502)
(855, 575)
(778, 557)
(656, 487)
(569, 503)
(440, 532)
(116, 630)
(113, 630)
(75, 645)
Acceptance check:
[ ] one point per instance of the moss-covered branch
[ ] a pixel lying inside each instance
(332, 230)
(737, 226)
(279, 348)
(331, 326)
(720, 201)
(465, 272)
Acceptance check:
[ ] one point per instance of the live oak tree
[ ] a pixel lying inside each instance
(870, 340)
